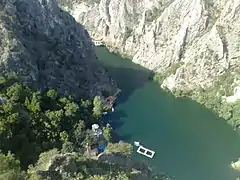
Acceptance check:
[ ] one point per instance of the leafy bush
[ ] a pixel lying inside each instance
(121, 147)
(37, 126)
(10, 168)
(211, 98)
(31, 122)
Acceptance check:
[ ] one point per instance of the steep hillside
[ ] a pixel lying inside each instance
(44, 45)
(193, 45)
(201, 37)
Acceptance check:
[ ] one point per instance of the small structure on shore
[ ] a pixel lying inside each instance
(101, 148)
(96, 130)
(136, 143)
(108, 102)
(144, 151)
(98, 43)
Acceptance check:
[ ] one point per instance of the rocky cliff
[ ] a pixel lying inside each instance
(193, 41)
(44, 44)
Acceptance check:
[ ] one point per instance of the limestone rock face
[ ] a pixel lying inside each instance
(44, 44)
(204, 35)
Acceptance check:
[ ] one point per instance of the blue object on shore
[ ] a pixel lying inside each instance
(101, 148)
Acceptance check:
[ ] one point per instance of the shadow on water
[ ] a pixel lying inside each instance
(128, 80)
(127, 75)
(116, 121)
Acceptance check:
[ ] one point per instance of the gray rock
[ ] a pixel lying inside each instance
(202, 34)
(44, 44)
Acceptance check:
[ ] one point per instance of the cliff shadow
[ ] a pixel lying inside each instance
(127, 75)
(116, 121)
(128, 80)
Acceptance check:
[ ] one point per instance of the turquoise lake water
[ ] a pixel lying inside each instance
(190, 142)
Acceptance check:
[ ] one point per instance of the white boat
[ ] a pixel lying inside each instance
(113, 109)
(136, 143)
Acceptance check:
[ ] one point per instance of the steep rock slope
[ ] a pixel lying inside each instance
(45, 45)
(194, 41)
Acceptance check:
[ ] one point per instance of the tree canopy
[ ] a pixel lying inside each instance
(36, 126)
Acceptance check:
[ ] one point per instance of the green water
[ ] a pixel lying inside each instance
(190, 142)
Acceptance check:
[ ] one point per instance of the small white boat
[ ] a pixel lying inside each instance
(136, 143)
(113, 109)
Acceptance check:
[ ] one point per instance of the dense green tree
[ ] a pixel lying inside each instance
(71, 109)
(52, 94)
(107, 132)
(79, 133)
(64, 136)
(35, 177)
(68, 147)
(97, 107)
(10, 168)
(90, 139)
(35, 125)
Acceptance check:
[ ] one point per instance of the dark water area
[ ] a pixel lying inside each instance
(190, 142)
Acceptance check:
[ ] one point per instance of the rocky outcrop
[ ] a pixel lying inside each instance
(44, 44)
(67, 165)
(203, 35)
(123, 161)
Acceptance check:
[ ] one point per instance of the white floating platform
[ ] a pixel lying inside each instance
(146, 152)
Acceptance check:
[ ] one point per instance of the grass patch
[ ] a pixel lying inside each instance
(211, 98)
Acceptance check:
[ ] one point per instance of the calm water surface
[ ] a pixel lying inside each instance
(190, 142)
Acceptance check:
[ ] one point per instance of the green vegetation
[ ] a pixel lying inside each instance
(212, 98)
(121, 147)
(98, 107)
(37, 127)
(10, 168)
(107, 132)
(78, 167)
